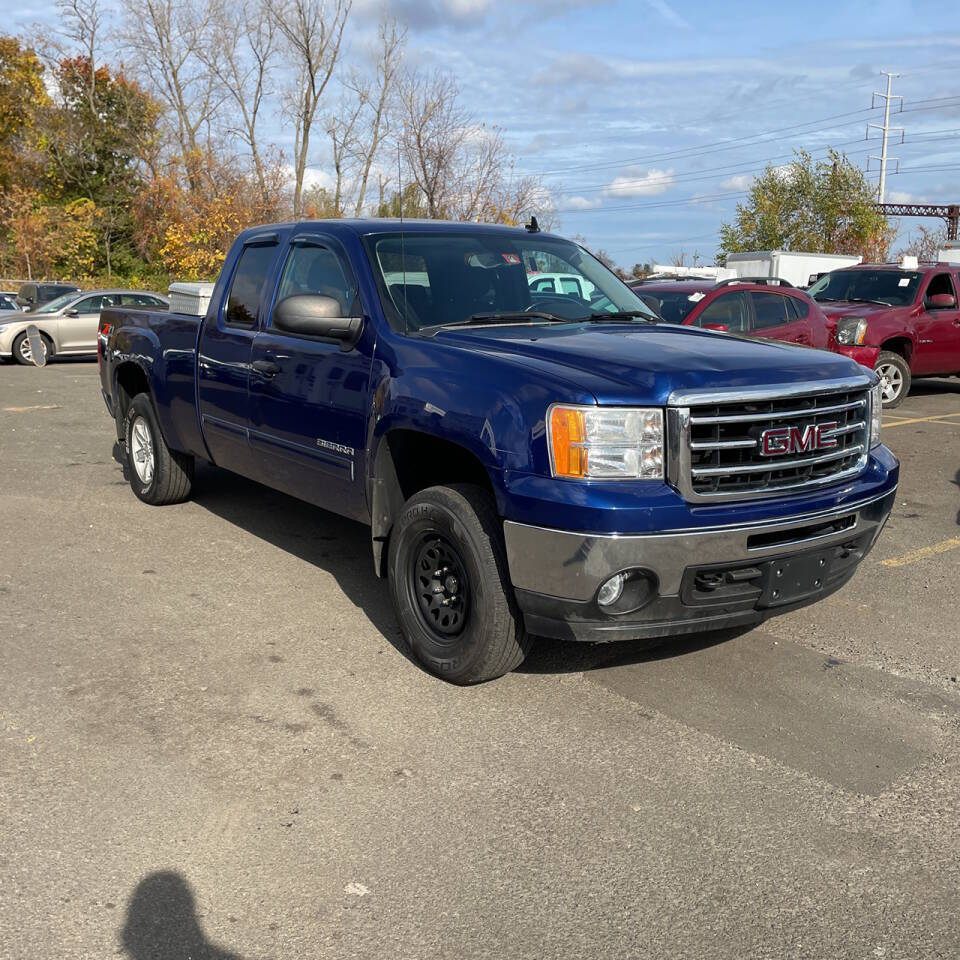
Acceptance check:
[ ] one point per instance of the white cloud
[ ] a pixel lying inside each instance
(636, 182)
(899, 196)
(580, 203)
(740, 181)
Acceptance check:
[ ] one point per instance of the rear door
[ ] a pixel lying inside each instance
(78, 326)
(937, 348)
(308, 397)
(775, 319)
(223, 356)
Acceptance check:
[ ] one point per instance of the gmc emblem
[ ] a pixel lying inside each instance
(778, 441)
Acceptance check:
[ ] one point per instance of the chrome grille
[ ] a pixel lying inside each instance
(715, 442)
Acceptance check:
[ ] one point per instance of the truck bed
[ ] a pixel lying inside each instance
(165, 344)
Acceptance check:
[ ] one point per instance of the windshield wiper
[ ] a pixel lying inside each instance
(620, 315)
(882, 303)
(491, 318)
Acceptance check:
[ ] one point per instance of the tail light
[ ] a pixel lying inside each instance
(102, 333)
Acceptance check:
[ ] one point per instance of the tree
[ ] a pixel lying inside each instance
(312, 31)
(170, 42)
(462, 168)
(822, 207)
(241, 54)
(96, 133)
(925, 244)
(23, 99)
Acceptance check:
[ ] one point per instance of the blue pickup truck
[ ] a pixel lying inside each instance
(530, 462)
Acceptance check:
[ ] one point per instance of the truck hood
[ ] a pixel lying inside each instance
(645, 363)
(844, 308)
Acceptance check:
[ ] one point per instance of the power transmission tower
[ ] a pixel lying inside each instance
(886, 128)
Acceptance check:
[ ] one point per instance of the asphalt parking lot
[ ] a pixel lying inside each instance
(212, 743)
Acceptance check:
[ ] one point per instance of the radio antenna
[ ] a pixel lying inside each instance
(403, 253)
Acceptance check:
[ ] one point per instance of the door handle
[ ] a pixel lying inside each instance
(266, 368)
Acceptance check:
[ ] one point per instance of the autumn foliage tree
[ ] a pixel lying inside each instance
(827, 206)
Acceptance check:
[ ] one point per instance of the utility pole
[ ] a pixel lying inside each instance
(886, 128)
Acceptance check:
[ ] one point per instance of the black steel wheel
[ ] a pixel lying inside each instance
(450, 587)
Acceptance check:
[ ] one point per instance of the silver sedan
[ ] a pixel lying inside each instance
(67, 325)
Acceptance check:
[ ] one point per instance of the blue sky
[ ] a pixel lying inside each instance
(648, 118)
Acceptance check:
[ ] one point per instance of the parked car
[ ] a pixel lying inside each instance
(529, 464)
(565, 283)
(8, 303)
(902, 321)
(759, 308)
(68, 325)
(32, 296)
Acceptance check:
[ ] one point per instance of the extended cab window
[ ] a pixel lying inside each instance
(769, 310)
(314, 268)
(729, 309)
(243, 304)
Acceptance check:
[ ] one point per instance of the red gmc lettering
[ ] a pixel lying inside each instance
(782, 440)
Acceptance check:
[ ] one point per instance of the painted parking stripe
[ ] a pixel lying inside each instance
(914, 556)
(940, 418)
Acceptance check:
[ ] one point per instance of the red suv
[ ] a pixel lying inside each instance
(761, 307)
(903, 323)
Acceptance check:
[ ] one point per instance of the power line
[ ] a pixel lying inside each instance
(735, 169)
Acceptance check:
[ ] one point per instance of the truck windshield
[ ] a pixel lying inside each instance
(431, 279)
(896, 288)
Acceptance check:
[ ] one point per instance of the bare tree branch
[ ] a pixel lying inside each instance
(312, 31)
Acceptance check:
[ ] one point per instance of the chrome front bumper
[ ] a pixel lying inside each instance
(556, 574)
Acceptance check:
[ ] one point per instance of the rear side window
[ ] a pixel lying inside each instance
(243, 303)
(769, 310)
(95, 304)
(800, 307)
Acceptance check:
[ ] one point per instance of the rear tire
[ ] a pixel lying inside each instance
(158, 475)
(21, 348)
(450, 587)
(894, 373)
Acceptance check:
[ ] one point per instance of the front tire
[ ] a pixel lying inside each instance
(894, 373)
(21, 348)
(450, 588)
(158, 475)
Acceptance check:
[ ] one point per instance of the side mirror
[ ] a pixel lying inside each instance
(314, 315)
(941, 301)
(719, 327)
(72, 312)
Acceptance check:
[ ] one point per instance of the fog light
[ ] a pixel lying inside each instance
(611, 590)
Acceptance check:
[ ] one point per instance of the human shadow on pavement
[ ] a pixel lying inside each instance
(326, 540)
(162, 922)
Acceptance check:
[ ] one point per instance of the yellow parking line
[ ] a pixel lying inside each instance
(916, 555)
(39, 406)
(940, 418)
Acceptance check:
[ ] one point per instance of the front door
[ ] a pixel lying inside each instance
(78, 326)
(223, 358)
(308, 397)
(937, 348)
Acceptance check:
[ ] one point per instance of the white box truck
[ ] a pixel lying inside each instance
(950, 252)
(800, 269)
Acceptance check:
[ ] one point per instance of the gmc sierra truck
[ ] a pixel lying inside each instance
(550, 463)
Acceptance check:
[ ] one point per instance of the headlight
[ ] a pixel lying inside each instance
(876, 414)
(606, 443)
(852, 331)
